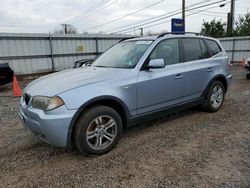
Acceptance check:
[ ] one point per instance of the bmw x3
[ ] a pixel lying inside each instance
(134, 80)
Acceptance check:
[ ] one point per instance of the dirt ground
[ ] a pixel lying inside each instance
(188, 149)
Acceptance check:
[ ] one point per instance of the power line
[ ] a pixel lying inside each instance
(122, 17)
(207, 14)
(89, 10)
(212, 12)
(201, 2)
(180, 17)
(172, 13)
(98, 10)
(215, 12)
(97, 5)
(167, 16)
(100, 3)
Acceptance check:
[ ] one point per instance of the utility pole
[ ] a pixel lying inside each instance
(232, 13)
(229, 25)
(230, 19)
(183, 13)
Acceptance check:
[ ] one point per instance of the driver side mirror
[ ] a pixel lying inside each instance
(156, 64)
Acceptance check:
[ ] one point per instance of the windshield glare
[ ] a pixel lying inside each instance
(123, 55)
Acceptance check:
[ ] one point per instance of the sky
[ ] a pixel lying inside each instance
(107, 16)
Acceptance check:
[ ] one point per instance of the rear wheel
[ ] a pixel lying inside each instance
(98, 130)
(215, 97)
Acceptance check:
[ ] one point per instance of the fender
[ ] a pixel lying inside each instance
(88, 103)
(217, 77)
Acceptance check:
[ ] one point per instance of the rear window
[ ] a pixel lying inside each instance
(213, 47)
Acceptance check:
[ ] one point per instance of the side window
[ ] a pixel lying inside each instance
(204, 51)
(191, 49)
(167, 50)
(213, 47)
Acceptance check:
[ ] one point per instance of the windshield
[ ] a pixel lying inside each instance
(123, 55)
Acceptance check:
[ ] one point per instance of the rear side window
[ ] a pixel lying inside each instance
(213, 47)
(191, 49)
(204, 51)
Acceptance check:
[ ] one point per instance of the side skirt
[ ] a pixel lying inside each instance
(163, 112)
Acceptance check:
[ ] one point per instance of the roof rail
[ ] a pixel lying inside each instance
(163, 34)
(127, 38)
(170, 33)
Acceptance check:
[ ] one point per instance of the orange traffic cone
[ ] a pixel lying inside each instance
(17, 92)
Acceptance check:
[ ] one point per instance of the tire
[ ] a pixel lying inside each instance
(213, 105)
(104, 128)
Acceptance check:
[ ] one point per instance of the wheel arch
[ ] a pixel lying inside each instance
(220, 78)
(111, 101)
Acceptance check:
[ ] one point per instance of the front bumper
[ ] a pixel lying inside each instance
(51, 127)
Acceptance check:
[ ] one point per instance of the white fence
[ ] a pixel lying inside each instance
(236, 47)
(37, 53)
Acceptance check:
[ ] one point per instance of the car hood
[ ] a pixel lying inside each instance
(62, 81)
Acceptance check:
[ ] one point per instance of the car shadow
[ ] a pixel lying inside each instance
(162, 119)
(129, 131)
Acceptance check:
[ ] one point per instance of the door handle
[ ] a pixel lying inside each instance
(210, 69)
(178, 76)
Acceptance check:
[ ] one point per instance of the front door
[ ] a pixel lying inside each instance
(163, 87)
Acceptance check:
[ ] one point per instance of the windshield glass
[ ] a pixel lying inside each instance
(123, 55)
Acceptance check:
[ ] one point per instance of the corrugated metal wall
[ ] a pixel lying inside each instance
(237, 47)
(36, 53)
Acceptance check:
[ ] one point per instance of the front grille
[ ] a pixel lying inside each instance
(26, 98)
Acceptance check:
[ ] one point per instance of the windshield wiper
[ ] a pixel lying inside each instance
(101, 66)
(114, 67)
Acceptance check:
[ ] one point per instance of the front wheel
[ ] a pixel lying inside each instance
(98, 130)
(215, 97)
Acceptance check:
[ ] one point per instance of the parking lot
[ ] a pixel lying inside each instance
(188, 149)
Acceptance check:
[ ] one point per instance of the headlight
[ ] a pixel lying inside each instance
(47, 103)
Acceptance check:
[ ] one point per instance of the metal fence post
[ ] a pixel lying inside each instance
(233, 50)
(51, 52)
(96, 45)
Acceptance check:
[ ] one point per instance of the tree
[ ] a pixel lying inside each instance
(66, 29)
(242, 26)
(214, 28)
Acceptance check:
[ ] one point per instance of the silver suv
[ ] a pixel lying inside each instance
(88, 107)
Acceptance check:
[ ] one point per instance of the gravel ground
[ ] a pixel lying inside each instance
(188, 149)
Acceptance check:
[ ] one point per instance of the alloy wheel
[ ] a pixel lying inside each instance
(101, 132)
(216, 96)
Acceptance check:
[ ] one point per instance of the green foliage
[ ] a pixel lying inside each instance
(242, 26)
(217, 28)
(214, 28)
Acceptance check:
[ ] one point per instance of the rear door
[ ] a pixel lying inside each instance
(197, 67)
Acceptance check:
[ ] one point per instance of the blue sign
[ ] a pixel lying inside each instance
(178, 26)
